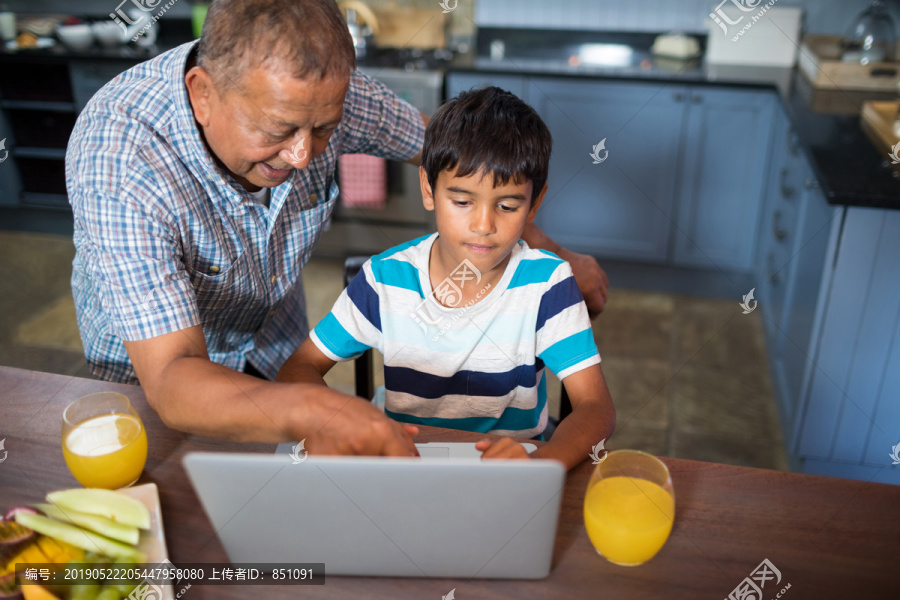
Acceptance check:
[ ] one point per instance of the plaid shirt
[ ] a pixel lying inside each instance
(166, 240)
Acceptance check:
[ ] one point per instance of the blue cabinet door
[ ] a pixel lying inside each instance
(851, 414)
(460, 82)
(10, 183)
(722, 179)
(814, 241)
(620, 207)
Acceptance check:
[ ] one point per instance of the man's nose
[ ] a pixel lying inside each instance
(297, 152)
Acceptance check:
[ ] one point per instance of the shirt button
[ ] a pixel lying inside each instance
(313, 197)
(214, 269)
(274, 279)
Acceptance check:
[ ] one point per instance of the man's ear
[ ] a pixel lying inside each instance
(201, 93)
(427, 192)
(532, 212)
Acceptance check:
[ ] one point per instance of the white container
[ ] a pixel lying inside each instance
(108, 33)
(75, 37)
(765, 34)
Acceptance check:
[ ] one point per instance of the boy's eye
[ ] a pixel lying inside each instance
(507, 208)
(459, 202)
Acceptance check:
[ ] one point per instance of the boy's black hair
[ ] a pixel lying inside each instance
(489, 131)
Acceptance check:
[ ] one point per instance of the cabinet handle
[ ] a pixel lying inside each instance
(777, 231)
(771, 275)
(696, 98)
(677, 96)
(793, 142)
(786, 190)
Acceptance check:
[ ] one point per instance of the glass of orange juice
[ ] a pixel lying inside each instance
(629, 507)
(103, 441)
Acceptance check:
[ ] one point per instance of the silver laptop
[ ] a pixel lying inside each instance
(448, 514)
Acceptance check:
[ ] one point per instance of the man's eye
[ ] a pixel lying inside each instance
(323, 133)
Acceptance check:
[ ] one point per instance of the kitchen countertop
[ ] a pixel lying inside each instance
(849, 169)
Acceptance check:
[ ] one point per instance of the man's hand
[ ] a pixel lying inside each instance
(350, 425)
(591, 279)
(502, 448)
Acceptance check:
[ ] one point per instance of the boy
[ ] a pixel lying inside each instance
(467, 318)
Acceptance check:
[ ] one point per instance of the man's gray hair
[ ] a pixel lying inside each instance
(309, 37)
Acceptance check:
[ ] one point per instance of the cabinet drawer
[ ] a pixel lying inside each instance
(459, 82)
(41, 129)
(35, 82)
(42, 176)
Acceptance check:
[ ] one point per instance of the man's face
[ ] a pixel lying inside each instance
(477, 221)
(270, 124)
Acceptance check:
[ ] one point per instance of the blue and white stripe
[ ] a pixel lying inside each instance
(485, 372)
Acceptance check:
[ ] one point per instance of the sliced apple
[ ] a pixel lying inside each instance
(81, 538)
(101, 525)
(103, 503)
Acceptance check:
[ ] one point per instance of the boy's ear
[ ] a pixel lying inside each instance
(427, 192)
(532, 212)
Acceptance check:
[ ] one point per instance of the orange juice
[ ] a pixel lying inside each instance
(628, 519)
(108, 451)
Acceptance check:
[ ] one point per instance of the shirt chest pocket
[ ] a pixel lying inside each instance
(223, 286)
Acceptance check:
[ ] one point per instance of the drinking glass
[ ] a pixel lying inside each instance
(104, 441)
(629, 507)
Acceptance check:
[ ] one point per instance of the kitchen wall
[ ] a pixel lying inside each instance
(822, 16)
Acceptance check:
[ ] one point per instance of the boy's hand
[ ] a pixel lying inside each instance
(502, 448)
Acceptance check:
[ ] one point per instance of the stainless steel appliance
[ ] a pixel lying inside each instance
(368, 231)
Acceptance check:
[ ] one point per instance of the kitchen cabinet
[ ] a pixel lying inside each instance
(850, 414)
(39, 103)
(721, 179)
(683, 179)
(622, 207)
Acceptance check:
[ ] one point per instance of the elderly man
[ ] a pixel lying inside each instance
(200, 182)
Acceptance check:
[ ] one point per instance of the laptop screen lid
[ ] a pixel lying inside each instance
(384, 516)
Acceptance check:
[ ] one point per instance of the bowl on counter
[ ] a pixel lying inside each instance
(108, 34)
(75, 37)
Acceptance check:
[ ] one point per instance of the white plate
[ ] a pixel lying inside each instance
(153, 542)
(42, 42)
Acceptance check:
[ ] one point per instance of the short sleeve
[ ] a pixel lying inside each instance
(354, 323)
(564, 339)
(378, 123)
(141, 282)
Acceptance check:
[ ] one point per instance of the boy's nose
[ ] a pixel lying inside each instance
(483, 222)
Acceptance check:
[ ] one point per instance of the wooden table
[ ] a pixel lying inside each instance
(829, 538)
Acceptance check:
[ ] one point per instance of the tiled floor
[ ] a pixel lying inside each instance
(688, 376)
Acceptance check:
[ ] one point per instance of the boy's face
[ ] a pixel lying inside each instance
(476, 220)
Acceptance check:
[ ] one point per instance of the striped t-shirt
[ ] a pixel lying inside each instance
(477, 367)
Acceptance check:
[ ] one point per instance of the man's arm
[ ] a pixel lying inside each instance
(195, 395)
(593, 419)
(591, 279)
(417, 159)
